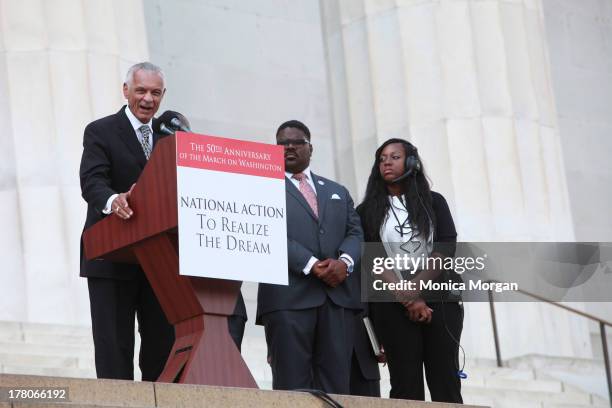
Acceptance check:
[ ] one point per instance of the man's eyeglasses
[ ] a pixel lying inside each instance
(298, 142)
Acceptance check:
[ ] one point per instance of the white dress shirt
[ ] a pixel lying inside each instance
(405, 243)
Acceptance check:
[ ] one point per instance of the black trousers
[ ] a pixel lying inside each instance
(410, 346)
(359, 384)
(235, 325)
(114, 305)
(310, 348)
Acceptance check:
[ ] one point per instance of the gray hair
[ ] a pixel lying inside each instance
(147, 66)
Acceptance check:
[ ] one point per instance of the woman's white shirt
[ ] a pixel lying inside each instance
(408, 241)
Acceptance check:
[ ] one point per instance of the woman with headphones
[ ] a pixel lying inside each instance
(419, 328)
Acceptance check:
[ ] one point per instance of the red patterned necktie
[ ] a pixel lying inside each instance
(307, 192)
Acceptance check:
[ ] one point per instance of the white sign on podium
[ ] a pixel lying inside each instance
(231, 209)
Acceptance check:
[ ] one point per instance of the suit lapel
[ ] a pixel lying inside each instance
(293, 191)
(128, 135)
(322, 194)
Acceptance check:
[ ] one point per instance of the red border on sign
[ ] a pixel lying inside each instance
(229, 155)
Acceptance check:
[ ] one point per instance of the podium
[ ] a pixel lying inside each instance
(203, 351)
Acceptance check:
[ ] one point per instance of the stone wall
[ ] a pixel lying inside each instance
(62, 64)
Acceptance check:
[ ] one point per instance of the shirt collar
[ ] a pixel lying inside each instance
(136, 123)
(306, 172)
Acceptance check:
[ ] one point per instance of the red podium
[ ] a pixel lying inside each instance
(203, 351)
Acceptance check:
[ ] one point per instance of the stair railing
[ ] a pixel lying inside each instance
(602, 330)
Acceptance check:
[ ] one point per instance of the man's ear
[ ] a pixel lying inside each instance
(125, 90)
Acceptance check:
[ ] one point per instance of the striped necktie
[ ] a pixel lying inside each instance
(307, 192)
(145, 131)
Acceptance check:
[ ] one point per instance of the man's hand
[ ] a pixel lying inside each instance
(334, 271)
(419, 312)
(319, 269)
(120, 206)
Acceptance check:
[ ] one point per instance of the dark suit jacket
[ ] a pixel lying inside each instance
(112, 161)
(337, 230)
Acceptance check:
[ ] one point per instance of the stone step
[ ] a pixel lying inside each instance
(562, 405)
(512, 384)
(67, 351)
(503, 378)
(520, 398)
(586, 375)
(30, 360)
(593, 382)
(488, 398)
(58, 405)
(58, 339)
(55, 350)
(57, 329)
(24, 361)
(477, 372)
(89, 393)
(598, 401)
(11, 331)
(90, 363)
(495, 395)
(16, 331)
(557, 405)
(596, 345)
(71, 372)
(542, 363)
(499, 402)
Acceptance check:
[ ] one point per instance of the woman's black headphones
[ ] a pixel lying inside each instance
(412, 165)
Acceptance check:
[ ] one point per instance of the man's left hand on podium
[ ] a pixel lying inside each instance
(120, 205)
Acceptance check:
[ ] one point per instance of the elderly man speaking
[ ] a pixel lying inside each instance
(115, 151)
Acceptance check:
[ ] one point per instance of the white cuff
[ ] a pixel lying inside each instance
(309, 265)
(108, 209)
(348, 258)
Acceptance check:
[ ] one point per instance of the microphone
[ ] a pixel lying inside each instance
(163, 129)
(169, 122)
(178, 124)
(403, 176)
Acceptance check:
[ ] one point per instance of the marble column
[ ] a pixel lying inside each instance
(468, 82)
(62, 64)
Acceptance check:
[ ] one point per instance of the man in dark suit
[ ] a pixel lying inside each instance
(309, 324)
(115, 150)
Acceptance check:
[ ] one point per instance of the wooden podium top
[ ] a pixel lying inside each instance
(112, 237)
